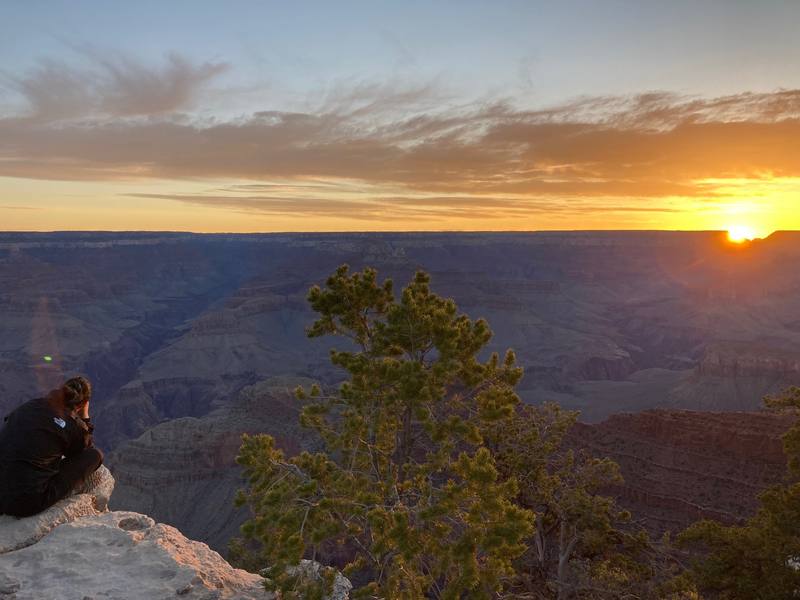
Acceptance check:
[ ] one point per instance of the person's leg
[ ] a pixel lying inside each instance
(72, 472)
(23, 506)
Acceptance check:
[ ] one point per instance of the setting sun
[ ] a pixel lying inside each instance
(739, 234)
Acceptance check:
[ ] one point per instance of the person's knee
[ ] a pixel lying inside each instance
(96, 456)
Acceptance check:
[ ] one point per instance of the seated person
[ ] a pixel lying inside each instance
(46, 449)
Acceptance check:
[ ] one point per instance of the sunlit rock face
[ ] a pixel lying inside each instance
(122, 555)
(681, 466)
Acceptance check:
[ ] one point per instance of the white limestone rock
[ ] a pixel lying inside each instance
(99, 485)
(20, 533)
(122, 555)
(310, 569)
(76, 549)
(79, 550)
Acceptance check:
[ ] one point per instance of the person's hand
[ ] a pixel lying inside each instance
(83, 411)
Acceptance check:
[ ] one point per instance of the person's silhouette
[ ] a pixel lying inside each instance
(46, 449)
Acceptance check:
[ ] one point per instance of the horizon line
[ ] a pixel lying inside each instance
(377, 232)
(348, 231)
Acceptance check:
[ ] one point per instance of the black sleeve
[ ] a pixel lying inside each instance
(79, 436)
(88, 429)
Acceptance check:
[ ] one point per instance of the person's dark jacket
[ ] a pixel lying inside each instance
(33, 439)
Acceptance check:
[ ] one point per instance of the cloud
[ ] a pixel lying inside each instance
(300, 203)
(110, 85)
(402, 150)
(132, 89)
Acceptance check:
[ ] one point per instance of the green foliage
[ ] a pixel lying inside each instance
(407, 492)
(759, 560)
(789, 401)
(583, 544)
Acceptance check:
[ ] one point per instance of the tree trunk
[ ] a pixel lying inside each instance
(565, 549)
(405, 441)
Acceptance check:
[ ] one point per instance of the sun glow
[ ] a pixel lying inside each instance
(738, 234)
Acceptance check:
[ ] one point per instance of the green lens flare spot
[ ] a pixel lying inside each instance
(48, 358)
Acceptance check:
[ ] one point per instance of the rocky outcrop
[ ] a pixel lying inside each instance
(76, 549)
(121, 555)
(681, 466)
(20, 533)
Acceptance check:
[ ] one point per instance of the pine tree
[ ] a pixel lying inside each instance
(406, 489)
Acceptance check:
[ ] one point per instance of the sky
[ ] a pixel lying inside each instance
(376, 116)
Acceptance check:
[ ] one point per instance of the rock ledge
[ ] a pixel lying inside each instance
(79, 550)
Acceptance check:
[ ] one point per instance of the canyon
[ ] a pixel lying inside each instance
(192, 340)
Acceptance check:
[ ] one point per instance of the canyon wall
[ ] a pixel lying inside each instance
(681, 466)
(183, 472)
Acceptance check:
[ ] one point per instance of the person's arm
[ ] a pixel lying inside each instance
(84, 415)
(86, 425)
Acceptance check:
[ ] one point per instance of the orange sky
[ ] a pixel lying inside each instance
(647, 161)
(412, 132)
(765, 205)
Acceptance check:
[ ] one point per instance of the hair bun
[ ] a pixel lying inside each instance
(77, 390)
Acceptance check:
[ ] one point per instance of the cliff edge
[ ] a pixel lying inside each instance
(79, 550)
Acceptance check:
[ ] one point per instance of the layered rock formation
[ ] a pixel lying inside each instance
(183, 472)
(76, 549)
(681, 466)
(743, 360)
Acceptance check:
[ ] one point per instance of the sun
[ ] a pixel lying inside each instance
(738, 234)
